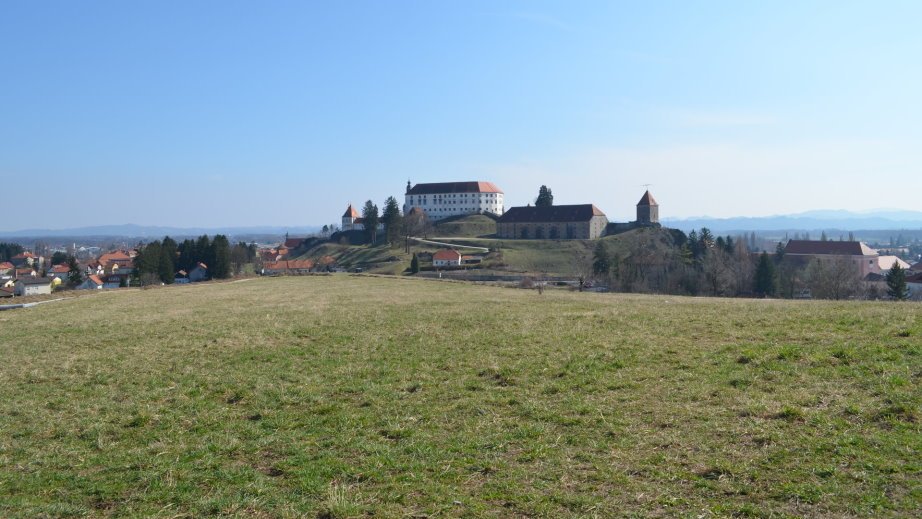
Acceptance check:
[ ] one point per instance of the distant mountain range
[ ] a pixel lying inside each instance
(878, 220)
(151, 232)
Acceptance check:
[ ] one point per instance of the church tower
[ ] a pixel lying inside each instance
(647, 210)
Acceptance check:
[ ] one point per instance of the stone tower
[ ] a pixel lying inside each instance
(647, 210)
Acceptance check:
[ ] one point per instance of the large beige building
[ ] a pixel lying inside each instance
(585, 222)
(444, 199)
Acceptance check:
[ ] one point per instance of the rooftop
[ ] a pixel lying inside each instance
(647, 199)
(554, 213)
(454, 187)
(837, 248)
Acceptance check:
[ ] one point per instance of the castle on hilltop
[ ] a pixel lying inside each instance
(441, 200)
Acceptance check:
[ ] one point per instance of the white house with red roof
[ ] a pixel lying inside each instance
(440, 200)
(446, 258)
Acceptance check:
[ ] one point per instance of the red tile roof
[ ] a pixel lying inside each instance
(95, 279)
(293, 243)
(6, 265)
(647, 199)
(447, 254)
(114, 257)
(454, 187)
(351, 212)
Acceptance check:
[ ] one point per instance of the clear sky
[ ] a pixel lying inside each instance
(280, 113)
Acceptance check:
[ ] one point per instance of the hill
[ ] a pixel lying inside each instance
(345, 396)
(470, 226)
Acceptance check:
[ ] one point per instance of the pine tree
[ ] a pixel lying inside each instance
(766, 279)
(392, 219)
(545, 197)
(168, 259)
(220, 266)
(74, 276)
(601, 264)
(414, 264)
(370, 221)
(896, 283)
(165, 265)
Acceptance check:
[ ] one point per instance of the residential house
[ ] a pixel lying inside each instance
(32, 286)
(446, 258)
(116, 280)
(26, 272)
(199, 273)
(92, 282)
(116, 261)
(585, 221)
(61, 272)
(181, 278)
(6, 270)
(6, 292)
(25, 259)
(441, 200)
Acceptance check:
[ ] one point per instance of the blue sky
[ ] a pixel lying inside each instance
(280, 113)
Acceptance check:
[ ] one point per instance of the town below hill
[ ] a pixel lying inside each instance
(651, 259)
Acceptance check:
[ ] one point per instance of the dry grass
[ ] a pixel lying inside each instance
(346, 396)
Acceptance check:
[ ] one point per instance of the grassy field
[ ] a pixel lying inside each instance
(347, 396)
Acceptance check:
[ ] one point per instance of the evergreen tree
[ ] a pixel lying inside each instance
(168, 259)
(220, 256)
(74, 275)
(370, 220)
(203, 252)
(896, 283)
(165, 265)
(823, 237)
(392, 219)
(601, 264)
(8, 250)
(545, 197)
(58, 258)
(186, 260)
(414, 264)
(766, 279)
(779, 252)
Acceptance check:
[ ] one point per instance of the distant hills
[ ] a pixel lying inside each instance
(147, 231)
(878, 220)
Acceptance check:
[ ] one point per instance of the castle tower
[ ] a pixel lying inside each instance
(647, 210)
(349, 218)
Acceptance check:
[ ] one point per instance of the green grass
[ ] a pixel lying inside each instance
(341, 396)
(471, 226)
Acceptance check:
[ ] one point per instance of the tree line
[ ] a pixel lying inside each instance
(8, 250)
(701, 264)
(160, 260)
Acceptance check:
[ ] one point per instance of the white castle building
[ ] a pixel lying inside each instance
(444, 199)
